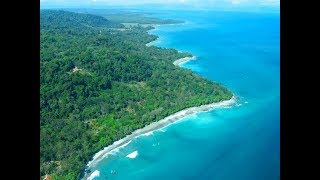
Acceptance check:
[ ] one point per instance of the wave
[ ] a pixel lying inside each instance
(132, 155)
(109, 150)
(114, 151)
(147, 134)
(228, 107)
(95, 173)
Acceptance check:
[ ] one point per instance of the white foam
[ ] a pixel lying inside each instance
(95, 173)
(106, 152)
(246, 102)
(114, 151)
(239, 104)
(147, 134)
(132, 155)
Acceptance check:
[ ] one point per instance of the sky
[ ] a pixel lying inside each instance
(166, 3)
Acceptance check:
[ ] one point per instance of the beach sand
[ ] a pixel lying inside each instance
(183, 60)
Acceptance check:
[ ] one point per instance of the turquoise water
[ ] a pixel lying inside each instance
(241, 142)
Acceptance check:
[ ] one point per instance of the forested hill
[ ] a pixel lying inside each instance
(59, 18)
(99, 82)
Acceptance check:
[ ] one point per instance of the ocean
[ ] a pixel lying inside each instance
(240, 50)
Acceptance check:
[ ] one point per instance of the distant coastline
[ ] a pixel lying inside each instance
(156, 25)
(177, 62)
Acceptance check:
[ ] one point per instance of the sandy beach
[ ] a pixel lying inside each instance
(183, 60)
(149, 44)
(156, 126)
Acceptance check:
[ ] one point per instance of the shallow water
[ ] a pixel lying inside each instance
(241, 51)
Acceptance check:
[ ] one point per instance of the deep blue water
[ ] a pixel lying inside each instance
(242, 51)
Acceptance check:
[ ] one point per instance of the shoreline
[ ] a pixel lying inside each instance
(183, 60)
(149, 43)
(167, 121)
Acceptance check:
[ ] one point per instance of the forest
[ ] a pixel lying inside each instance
(99, 82)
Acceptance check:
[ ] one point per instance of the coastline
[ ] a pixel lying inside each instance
(167, 121)
(184, 60)
(149, 43)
